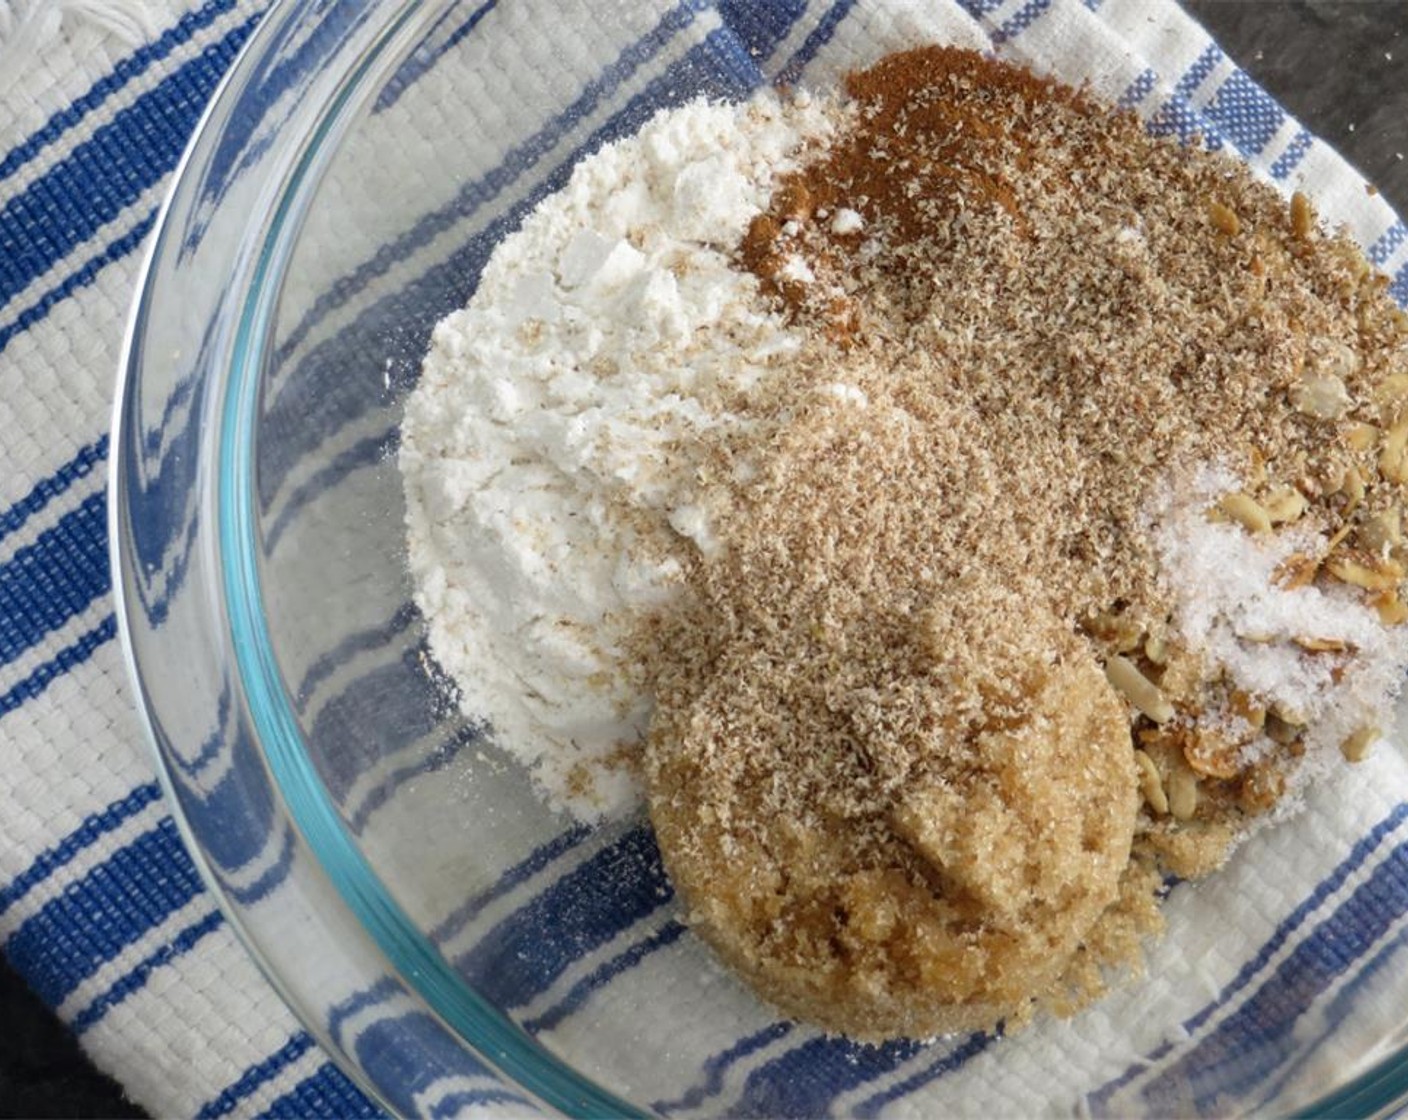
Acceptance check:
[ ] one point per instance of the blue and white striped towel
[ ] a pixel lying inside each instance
(101, 909)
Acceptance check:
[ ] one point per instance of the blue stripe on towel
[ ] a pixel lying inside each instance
(1176, 117)
(213, 745)
(109, 170)
(1197, 73)
(125, 70)
(1245, 114)
(326, 1093)
(1249, 1044)
(135, 980)
(47, 489)
(1327, 886)
(1398, 289)
(81, 278)
(110, 908)
(257, 1075)
(1138, 90)
(955, 1059)
(175, 569)
(371, 451)
(339, 1013)
(1098, 1101)
(234, 816)
(1290, 159)
(441, 757)
(599, 977)
(1380, 251)
(178, 398)
(94, 827)
(391, 706)
(50, 581)
(1315, 1029)
(541, 858)
(1027, 15)
(594, 902)
(803, 1082)
(245, 137)
(716, 1067)
(454, 1104)
(251, 893)
(363, 641)
(979, 8)
(424, 58)
(817, 38)
(381, 1047)
(761, 27)
(70, 657)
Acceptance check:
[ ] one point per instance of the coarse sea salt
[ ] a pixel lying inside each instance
(1230, 607)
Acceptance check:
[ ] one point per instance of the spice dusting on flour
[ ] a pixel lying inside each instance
(962, 509)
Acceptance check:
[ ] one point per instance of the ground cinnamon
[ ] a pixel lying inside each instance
(921, 157)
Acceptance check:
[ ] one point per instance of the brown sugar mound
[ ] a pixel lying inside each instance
(946, 910)
(895, 809)
(925, 740)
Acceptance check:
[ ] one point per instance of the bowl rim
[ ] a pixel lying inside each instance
(485, 1031)
(1374, 1091)
(127, 380)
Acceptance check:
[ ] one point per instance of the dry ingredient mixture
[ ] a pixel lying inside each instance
(1010, 517)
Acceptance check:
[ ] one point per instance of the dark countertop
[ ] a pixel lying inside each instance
(1339, 66)
(42, 1071)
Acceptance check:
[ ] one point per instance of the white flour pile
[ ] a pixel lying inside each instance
(547, 450)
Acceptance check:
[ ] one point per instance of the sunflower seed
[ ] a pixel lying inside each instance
(1150, 784)
(1224, 219)
(1356, 747)
(1302, 216)
(1182, 793)
(1322, 396)
(1246, 511)
(1138, 689)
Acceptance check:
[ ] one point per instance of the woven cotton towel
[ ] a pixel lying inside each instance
(100, 907)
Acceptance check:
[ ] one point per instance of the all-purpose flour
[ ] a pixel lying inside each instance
(548, 451)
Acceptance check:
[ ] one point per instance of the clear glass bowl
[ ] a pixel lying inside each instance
(448, 939)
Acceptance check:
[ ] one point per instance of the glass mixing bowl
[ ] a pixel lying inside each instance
(446, 937)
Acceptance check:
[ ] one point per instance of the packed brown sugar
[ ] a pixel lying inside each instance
(930, 728)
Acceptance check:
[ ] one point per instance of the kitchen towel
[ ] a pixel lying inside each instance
(102, 910)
